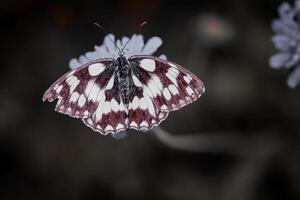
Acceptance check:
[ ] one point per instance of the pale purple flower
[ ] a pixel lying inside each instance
(135, 46)
(287, 40)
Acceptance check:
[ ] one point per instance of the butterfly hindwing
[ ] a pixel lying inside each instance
(159, 87)
(143, 113)
(110, 114)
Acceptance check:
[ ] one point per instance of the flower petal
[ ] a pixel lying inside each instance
(92, 55)
(103, 52)
(297, 5)
(119, 135)
(285, 11)
(110, 46)
(74, 63)
(119, 44)
(152, 45)
(278, 60)
(294, 59)
(107, 42)
(83, 59)
(124, 41)
(136, 44)
(163, 56)
(294, 78)
(277, 25)
(283, 43)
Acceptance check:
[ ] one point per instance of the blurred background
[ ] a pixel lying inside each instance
(239, 141)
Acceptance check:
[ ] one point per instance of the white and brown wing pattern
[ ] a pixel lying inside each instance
(91, 93)
(159, 87)
(154, 87)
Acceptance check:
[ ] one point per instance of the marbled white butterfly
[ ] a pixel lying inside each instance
(111, 95)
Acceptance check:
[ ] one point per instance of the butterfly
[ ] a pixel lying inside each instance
(112, 95)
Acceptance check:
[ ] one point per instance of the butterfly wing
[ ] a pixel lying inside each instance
(159, 87)
(91, 93)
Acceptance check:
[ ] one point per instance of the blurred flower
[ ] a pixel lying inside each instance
(135, 46)
(213, 30)
(119, 135)
(62, 13)
(287, 41)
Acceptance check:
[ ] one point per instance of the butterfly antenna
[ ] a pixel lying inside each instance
(98, 25)
(142, 24)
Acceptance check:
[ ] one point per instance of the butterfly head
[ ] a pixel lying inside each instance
(121, 53)
(122, 60)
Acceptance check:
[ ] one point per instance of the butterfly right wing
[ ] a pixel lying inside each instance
(159, 87)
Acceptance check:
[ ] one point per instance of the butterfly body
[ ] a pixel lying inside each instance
(111, 95)
(123, 70)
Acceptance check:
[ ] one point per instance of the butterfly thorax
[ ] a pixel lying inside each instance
(123, 73)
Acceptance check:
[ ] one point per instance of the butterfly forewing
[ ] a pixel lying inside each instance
(159, 87)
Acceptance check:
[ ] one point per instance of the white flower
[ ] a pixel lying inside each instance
(135, 46)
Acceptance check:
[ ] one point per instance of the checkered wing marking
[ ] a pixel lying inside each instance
(159, 87)
(90, 93)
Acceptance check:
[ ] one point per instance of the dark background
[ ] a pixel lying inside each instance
(242, 136)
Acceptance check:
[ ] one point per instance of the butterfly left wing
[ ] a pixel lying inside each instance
(91, 93)
(159, 87)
